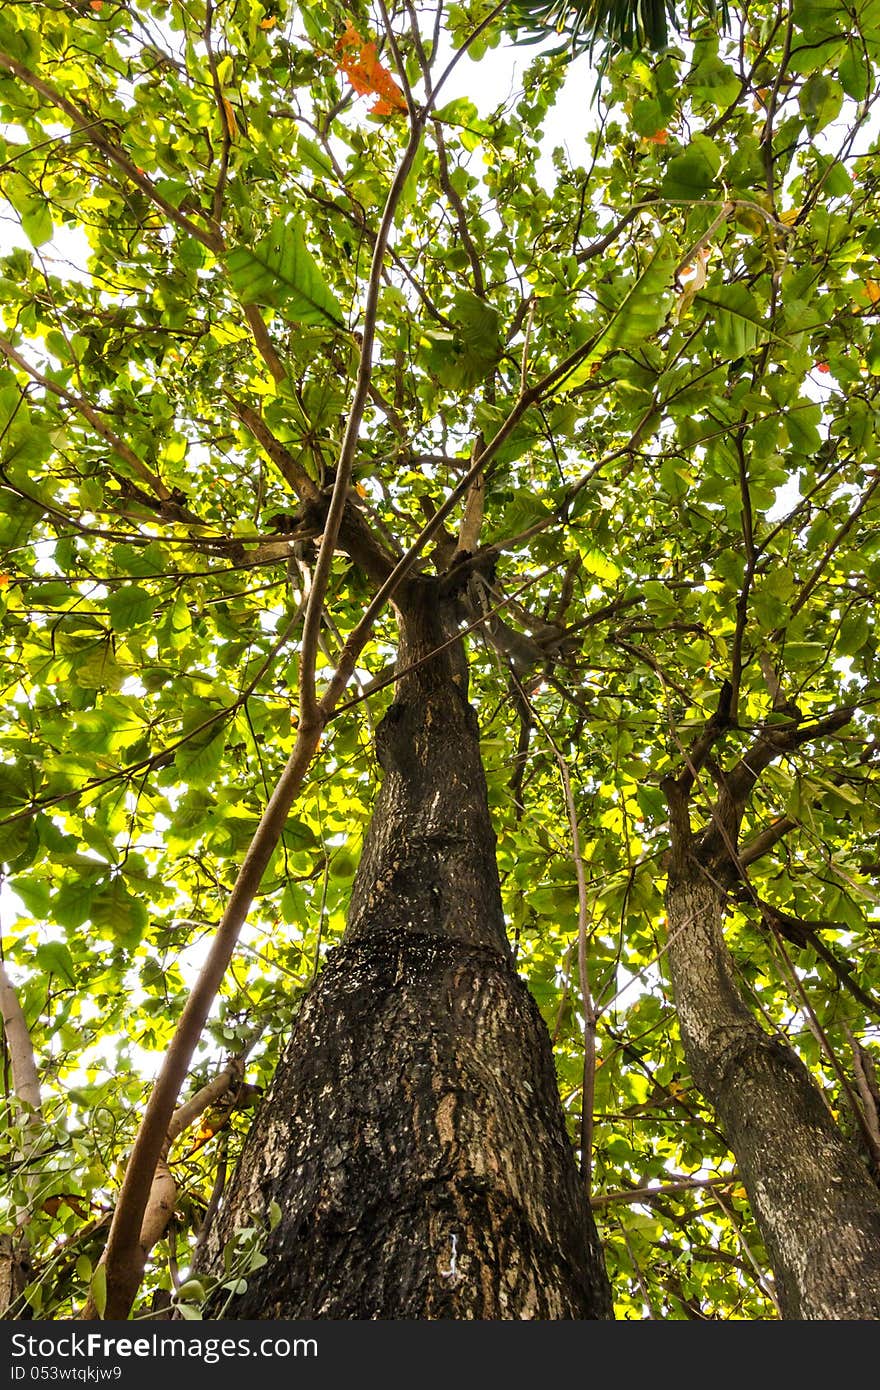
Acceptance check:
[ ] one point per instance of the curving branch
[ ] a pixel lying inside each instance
(89, 413)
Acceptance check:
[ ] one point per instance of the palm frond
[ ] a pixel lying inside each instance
(612, 24)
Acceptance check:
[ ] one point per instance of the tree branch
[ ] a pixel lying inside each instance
(95, 135)
(765, 840)
(805, 934)
(771, 743)
(289, 467)
(647, 1194)
(310, 714)
(88, 412)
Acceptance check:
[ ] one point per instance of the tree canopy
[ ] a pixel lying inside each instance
(643, 386)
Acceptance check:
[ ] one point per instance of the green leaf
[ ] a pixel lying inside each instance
(34, 893)
(200, 758)
(54, 958)
(73, 901)
(36, 221)
(690, 175)
(643, 308)
(594, 561)
(98, 669)
(118, 912)
(479, 322)
(178, 623)
(854, 72)
(130, 606)
(738, 320)
(802, 425)
(804, 653)
(820, 100)
(280, 271)
(98, 1290)
(313, 157)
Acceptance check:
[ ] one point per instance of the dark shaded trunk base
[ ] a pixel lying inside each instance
(414, 1141)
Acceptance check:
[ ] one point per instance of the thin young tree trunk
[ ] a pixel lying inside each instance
(413, 1137)
(14, 1255)
(813, 1198)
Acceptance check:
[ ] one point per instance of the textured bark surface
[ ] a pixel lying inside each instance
(816, 1205)
(428, 863)
(413, 1137)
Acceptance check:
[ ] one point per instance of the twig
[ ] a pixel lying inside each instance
(647, 1194)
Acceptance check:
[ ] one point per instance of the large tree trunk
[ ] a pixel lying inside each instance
(814, 1201)
(413, 1137)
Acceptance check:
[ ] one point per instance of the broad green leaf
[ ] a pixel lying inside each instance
(129, 606)
(594, 561)
(54, 958)
(854, 72)
(820, 100)
(640, 313)
(690, 175)
(802, 422)
(281, 271)
(116, 910)
(178, 623)
(98, 1289)
(739, 322)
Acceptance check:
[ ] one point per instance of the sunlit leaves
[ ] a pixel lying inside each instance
(150, 653)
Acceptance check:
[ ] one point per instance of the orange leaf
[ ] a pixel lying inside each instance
(360, 489)
(660, 137)
(268, 23)
(4, 581)
(366, 74)
(96, 4)
(349, 38)
(873, 289)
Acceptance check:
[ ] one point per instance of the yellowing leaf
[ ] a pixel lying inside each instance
(229, 116)
(692, 278)
(873, 288)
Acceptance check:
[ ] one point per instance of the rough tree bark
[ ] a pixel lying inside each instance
(413, 1137)
(814, 1200)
